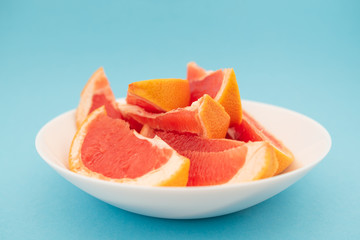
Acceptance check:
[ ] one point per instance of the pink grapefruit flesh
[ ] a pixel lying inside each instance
(219, 161)
(110, 157)
(251, 130)
(204, 117)
(96, 93)
(221, 85)
(106, 148)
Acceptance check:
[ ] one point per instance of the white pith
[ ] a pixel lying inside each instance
(255, 162)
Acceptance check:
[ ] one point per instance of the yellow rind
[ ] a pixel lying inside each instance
(213, 117)
(229, 97)
(164, 94)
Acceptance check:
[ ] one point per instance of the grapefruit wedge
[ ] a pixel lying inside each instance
(194, 72)
(106, 148)
(221, 161)
(251, 130)
(96, 93)
(204, 117)
(220, 85)
(159, 95)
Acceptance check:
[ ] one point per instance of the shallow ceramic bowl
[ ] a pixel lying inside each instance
(307, 139)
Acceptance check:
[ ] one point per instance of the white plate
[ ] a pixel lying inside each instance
(307, 139)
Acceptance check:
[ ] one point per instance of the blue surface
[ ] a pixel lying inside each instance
(303, 55)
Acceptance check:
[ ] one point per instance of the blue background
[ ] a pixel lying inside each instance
(302, 55)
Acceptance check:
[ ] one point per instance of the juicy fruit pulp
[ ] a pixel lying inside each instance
(204, 117)
(251, 130)
(106, 148)
(96, 93)
(212, 162)
(182, 125)
(209, 84)
(209, 168)
(218, 161)
(108, 156)
(220, 85)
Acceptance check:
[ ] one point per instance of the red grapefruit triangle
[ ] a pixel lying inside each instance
(252, 131)
(106, 148)
(96, 93)
(220, 85)
(221, 161)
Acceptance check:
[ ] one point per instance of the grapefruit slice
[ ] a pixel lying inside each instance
(96, 93)
(159, 95)
(221, 161)
(106, 148)
(220, 85)
(190, 142)
(194, 72)
(251, 130)
(204, 117)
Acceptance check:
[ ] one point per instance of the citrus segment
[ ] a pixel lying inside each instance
(251, 130)
(210, 85)
(189, 142)
(260, 163)
(222, 161)
(204, 117)
(214, 168)
(106, 148)
(159, 95)
(221, 85)
(229, 96)
(95, 94)
(194, 72)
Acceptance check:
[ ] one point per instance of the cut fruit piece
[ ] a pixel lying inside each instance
(221, 161)
(260, 163)
(204, 117)
(220, 85)
(214, 168)
(194, 72)
(96, 93)
(251, 130)
(159, 95)
(105, 148)
(229, 97)
(189, 142)
(249, 162)
(210, 85)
